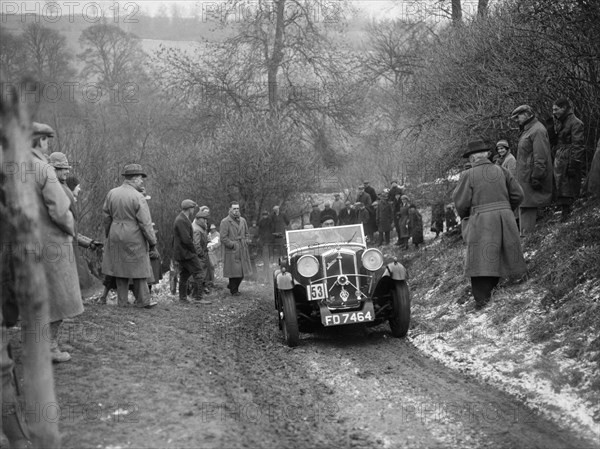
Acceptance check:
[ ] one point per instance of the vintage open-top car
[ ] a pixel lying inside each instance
(331, 278)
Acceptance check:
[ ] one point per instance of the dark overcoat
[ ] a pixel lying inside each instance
(234, 239)
(384, 216)
(415, 226)
(183, 238)
(57, 226)
(486, 194)
(569, 156)
(347, 216)
(534, 161)
(129, 232)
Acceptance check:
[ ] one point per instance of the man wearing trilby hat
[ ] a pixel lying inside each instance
(130, 237)
(487, 194)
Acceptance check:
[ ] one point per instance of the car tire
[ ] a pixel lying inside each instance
(291, 333)
(400, 318)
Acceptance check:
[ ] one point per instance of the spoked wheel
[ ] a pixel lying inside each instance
(400, 318)
(291, 334)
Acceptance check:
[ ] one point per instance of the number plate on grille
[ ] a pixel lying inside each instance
(316, 292)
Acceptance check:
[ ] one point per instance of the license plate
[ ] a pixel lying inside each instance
(316, 292)
(340, 318)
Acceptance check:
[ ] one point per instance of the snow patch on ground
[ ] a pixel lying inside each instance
(502, 355)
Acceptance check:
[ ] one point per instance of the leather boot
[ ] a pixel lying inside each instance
(56, 354)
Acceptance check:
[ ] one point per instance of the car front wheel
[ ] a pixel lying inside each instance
(400, 318)
(291, 334)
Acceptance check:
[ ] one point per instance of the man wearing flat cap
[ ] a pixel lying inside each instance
(315, 216)
(534, 166)
(57, 224)
(130, 238)
(485, 197)
(200, 237)
(347, 215)
(184, 252)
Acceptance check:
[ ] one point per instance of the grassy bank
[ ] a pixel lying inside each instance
(539, 337)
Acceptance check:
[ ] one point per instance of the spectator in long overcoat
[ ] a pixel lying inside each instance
(486, 194)
(57, 225)
(337, 204)
(235, 238)
(437, 218)
(200, 238)
(534, 166)
(569, 155)
(61, 165)
(129, 238)
(279, 224)
(402, 216)
(384, 219)
(265, 237)
(370, 191)
(347, 215)
(415, 225)
(184, 252)
(315, 216)
(362, 214)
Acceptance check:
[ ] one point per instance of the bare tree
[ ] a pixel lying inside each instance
(46, 52)
(111, 54)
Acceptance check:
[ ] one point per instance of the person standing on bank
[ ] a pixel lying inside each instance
(487, 194)
(569, 155)
(200, 237)
(130, 238)
(184, 252)
(57, 225)
(235, 238)
(534, 166)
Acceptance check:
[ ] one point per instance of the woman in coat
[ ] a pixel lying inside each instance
(415, 225)
(384, 219)
(402, 217)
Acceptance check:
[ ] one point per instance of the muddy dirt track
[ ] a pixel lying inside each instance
(219, 376)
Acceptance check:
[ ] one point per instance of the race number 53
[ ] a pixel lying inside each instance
(316, 291)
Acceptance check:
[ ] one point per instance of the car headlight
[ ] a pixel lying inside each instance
(372, 259)
(307, 266)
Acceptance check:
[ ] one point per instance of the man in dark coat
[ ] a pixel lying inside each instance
(235, 239)
(394, 190)
(279, 223)
(364, 198)
(485, 197)
(534, 166)
(184, 252)
(569, 155)
(200, 238)
(347, 215)
(384, 219)
(315, 216)
(265, 237)
(328, 212)
(450, 217)
(130, 238)
(437, 218)
(415, 225)
(370, 191)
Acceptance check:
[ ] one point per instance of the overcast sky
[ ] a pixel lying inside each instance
(127, 8)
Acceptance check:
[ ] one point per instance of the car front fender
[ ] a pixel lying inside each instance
(284, 280)
(397, 271)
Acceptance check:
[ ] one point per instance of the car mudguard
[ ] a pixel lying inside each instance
(284, 279)
(397, 271)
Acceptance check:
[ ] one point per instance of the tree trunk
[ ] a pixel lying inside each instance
(19, 213)
(456, 12)
(276, 57)
(482, 8)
